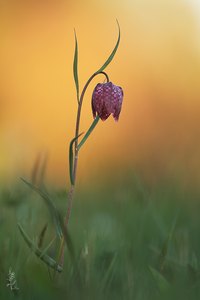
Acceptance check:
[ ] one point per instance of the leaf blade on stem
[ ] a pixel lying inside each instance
(91, 128)
(75, 67)
(51, 206)
(110, 58)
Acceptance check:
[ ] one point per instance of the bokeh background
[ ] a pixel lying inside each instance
(134, 227)
(157, 64)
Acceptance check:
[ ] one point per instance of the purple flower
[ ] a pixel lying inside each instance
(107, 99)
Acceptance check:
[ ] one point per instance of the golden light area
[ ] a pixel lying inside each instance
(157, 64)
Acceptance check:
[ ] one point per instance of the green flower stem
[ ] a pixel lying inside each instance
(71, 158)
(78, 118)
(75, 162)
(94, 123)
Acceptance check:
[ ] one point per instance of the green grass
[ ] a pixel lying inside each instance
(131, 242)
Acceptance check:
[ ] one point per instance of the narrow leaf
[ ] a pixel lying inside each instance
(94, 123)
(43, 252)
(42, 170)
(39, 168)
(70, 248)
(35, 169)
(75, 66)
(161, 281)
(44, 257)
(109, 272)
(52, 209)
(67, 239)
(169, 259)
(41, 236)
(110, 58)
(165, 247)
(71, 158)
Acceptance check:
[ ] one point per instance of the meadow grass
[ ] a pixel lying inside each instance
(130, 241)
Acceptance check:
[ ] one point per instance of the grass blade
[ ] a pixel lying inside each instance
(75, 66)
(70, 247)
(109, 273)
(165, 247)
(52, 209)
(67, 240)
(110, 58)
(161, 281)
(35, 169)
(41, 254)
(41, 236)
(42, 170)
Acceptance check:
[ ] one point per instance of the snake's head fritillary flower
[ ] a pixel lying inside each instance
(106, 100)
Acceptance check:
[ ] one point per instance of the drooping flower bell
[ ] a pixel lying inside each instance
(107, 99)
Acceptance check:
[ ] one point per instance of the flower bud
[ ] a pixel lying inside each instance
(107, 99)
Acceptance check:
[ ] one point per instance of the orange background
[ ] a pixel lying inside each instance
(157, 64)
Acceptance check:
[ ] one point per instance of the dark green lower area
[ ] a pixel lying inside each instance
(131, 241)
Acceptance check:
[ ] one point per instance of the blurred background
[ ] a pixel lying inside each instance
(157, 64)
(135, 221)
